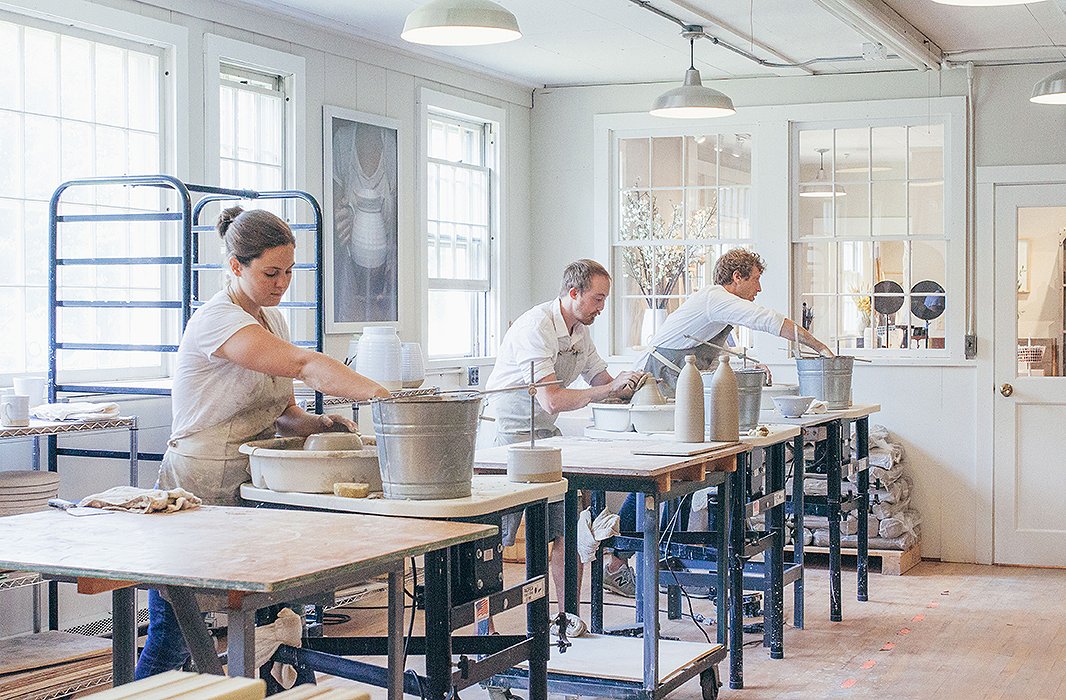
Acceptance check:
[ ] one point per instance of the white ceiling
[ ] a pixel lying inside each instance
(589, 42)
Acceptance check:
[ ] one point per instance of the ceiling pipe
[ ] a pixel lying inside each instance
(878, 22)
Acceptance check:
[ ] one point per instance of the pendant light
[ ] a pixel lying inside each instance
(1051, 90)
(821, 187)
(983, 3)
(692, 100)
(460, 23)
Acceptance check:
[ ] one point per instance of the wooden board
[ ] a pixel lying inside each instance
(583, 456)
(621, 658)
(679, 449)
(894, 562)
(30, 651)
(221, 548)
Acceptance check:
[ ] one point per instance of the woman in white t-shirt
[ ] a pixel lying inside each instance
(233, 384)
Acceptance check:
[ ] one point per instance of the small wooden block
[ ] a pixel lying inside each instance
(92, 586)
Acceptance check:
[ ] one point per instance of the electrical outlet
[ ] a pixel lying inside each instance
(473, 376)
(971, 347)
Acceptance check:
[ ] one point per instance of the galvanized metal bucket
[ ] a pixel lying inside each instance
(749, 394)
(426, 445)
(827, 379)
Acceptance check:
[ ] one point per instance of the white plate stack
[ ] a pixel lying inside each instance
(26, 491)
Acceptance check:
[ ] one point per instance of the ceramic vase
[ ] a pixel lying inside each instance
(723, 419)
(379, 357)
(688, 410)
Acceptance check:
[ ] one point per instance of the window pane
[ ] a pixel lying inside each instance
(889, 152)
(853, 155)
(666, 161)
(927, 208)
(634, 162)
(41, 71)
(111, 78)
(815, 268)
(702, 208)
(853, 210)
(815, 216)
(11, 59)
(926, 151)
(888, 202)
(701, 161)
(734, 163)
(76, 78)
(734, 204)
(668, 214)
(452, 319)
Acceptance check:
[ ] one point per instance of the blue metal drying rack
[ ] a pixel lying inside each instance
(186, 216)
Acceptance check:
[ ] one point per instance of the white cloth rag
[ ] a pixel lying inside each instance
(135, 500)
(818, 407)
(77, 410)
(590, 532)
(288, 630)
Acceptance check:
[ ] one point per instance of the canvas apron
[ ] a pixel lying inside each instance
(706, 357)
(512, 407)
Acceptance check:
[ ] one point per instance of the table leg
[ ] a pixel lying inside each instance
(723, 514)
(537, 611)
(642, 564)
(571, 596)
(240, 643)
(395, 632)
(134, 476)
(197, 638)
(734, 486)
(798, 467)
(774, 606)
(438, 627)
(123, 634)
(833, 479)
(862, 452)
(649, 503)
(599, 502)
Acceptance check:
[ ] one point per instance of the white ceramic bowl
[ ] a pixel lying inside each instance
(653, 418)
(793, 406)
(281, 464)
(769, 392)
(611, 416)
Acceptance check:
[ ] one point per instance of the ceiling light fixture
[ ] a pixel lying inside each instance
(1051, 90)
(692, 100)
(821, 187)
(983, 3)
(460, 23)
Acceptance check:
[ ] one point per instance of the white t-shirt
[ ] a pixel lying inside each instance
(210, 390)
(539, 335)
(704, 314)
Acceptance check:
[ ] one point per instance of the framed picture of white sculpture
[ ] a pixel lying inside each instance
(359, 157)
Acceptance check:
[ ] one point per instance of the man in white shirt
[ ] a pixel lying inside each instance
(554, 340)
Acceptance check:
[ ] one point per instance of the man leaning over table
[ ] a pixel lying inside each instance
(554, 336)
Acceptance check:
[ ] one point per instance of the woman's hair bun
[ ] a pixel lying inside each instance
(226, 218)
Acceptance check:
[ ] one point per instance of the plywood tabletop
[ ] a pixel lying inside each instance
(221, 548)
(585, 456)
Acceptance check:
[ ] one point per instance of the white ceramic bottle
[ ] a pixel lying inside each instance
(688, 408)
(379, 357)
(723, 419)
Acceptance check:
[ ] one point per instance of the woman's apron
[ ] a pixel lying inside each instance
(512, 407)
(659, 360)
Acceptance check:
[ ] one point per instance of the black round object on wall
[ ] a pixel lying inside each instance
(887, 304)
(927, 300)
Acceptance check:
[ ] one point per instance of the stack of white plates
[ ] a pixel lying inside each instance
(26, 491)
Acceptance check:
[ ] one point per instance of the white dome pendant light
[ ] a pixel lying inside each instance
(692, 100)
(984, 3)
(1051, 90)
(460, 23)
(821, 187)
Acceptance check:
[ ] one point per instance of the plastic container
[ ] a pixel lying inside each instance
(611, 416)
(653, 418)
(380, 357)
(827, 379)
(426, 445)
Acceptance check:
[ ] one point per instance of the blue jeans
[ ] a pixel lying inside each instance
(165, 648)
(627, 515)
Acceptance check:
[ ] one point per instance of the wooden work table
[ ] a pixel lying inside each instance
(253, 558)
(611, 465)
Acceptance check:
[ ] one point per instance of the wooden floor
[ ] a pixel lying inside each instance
(941, 631)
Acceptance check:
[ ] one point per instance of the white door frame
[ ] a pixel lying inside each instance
(988, 178)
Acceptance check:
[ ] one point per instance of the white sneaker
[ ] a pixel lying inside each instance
(575, 626)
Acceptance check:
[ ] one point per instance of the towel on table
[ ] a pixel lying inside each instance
(818, 407)
(288, 630)
(77, 410)
(590, 532)
(135, 500)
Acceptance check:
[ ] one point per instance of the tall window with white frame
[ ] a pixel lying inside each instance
(461, 163)
(869, 236)
(75, 104)
(681, 202)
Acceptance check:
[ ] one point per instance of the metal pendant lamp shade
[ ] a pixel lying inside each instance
(692, 100)
(460, 23)
(1051, 90)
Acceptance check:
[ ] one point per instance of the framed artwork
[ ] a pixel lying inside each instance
(359, 156)
(1023, 266)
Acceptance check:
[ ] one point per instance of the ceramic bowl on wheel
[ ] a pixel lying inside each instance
(611, 416)
(793, 406)
(652, 419)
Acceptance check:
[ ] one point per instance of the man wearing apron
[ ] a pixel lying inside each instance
(554, 340)
(710, 314)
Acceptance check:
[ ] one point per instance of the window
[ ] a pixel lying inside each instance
(461, 161)
(870, 241)
(73, 105)
(681, 200)
(251, 129)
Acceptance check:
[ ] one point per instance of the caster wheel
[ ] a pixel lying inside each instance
(709, 683)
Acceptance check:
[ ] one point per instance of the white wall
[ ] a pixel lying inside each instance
(931, 410)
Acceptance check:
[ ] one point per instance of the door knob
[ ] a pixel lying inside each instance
(1006, 390)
